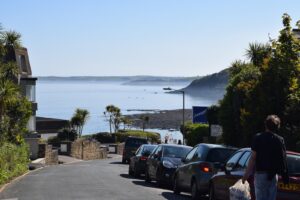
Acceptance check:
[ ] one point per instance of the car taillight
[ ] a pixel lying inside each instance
(143, 158)
(205, 167)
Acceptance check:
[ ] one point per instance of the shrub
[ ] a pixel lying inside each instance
(151, 136)
(195, 133)
(14, 161)
(104, 137)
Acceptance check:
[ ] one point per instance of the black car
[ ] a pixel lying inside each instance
(163, 161)
(137, 163)
(200, 164)
(235, 169)
(131, 145)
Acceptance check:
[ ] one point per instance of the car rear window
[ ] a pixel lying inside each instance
(219, 155)
(135, 142)
(176, 152)
(148, 149)
(293, 162)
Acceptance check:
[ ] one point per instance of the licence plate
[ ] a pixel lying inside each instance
(289, 187)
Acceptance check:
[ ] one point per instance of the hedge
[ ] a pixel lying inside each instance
(151, 136)
(195, 133)
(14, 160)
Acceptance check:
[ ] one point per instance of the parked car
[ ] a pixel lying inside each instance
(137, 163)
(235, 168)
(200, 164)
(163, 161)
(131, 145)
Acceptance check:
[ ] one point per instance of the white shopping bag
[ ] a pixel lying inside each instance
(240, 191)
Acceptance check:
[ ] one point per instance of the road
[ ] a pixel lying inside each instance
(99, 179)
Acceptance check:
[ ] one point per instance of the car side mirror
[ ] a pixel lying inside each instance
(228, 169)
(155, 156)
(183, 160)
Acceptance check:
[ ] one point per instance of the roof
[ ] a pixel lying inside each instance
(50, 125)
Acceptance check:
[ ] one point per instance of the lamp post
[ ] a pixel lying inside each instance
(183, 109)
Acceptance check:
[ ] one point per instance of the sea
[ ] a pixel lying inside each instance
(59, 99)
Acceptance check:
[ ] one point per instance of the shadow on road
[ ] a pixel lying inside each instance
(117, 163)
(143, 183)
(172, 196)
(127, 176)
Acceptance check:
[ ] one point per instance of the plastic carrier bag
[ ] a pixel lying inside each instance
(240, 191)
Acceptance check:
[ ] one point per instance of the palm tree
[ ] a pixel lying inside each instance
(11, 40)
(8, 90)
(9, 71)
(113, 114)
(79, 119)
(257, 52)
(145, 120)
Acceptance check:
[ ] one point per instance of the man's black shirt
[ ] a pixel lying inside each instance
(270, 153)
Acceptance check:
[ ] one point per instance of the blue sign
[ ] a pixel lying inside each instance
(199, 114)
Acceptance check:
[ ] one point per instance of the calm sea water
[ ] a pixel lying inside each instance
(60, 99)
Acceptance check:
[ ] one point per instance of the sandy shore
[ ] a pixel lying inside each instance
(164, 119)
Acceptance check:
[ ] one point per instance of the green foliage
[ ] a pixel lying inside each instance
(195, 133)
(104, 137)
(79, 119)
(113, 115)
(14, 161)
(269, 84)
(151, 136)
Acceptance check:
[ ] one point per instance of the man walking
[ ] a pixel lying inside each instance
(268, 158)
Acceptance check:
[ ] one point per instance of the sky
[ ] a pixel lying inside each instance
(141, 37)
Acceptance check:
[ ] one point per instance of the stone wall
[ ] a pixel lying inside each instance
(120, 148)
(51, 156)
(87, 150)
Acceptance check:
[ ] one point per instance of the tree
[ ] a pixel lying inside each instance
(269, 84)
(145, 120)
(113, 115)
(15, 109)
(79, 119)
(126, 122)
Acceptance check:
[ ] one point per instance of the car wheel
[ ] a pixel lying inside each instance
(158, 179)
(194, 191)
(136, 172)
(212, 192)
(176, 188)
(147, 177)
(130, 172)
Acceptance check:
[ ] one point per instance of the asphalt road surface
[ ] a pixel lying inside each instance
(99, 179)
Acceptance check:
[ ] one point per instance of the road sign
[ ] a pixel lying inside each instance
(216, 130)
(199, 114)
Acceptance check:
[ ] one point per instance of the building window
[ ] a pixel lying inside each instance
(31, 126)
(30, 92)
(23, 63)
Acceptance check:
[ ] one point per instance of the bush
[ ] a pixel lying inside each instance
(151, 136)
(14, 161)
(195, 133)
(104, 137)
(67, 135)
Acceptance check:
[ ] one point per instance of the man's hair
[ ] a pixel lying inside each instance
(272, 123)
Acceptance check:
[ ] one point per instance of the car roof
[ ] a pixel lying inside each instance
(149, 145)
(288, 152)
(174, 145)
(215, 146)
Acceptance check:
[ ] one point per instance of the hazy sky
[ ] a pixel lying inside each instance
(141, 37)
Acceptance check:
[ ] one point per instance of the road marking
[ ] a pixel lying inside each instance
(10, 199)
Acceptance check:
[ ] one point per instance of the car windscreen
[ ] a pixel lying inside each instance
(293, 162)
(176, 152)
(135, 142)
(148, 149)
(219, 155)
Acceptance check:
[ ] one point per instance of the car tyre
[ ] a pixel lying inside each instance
(130, 172)
(147, 177)
(212, 192)
(176, 188)
(136, 172)
(194, 190)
